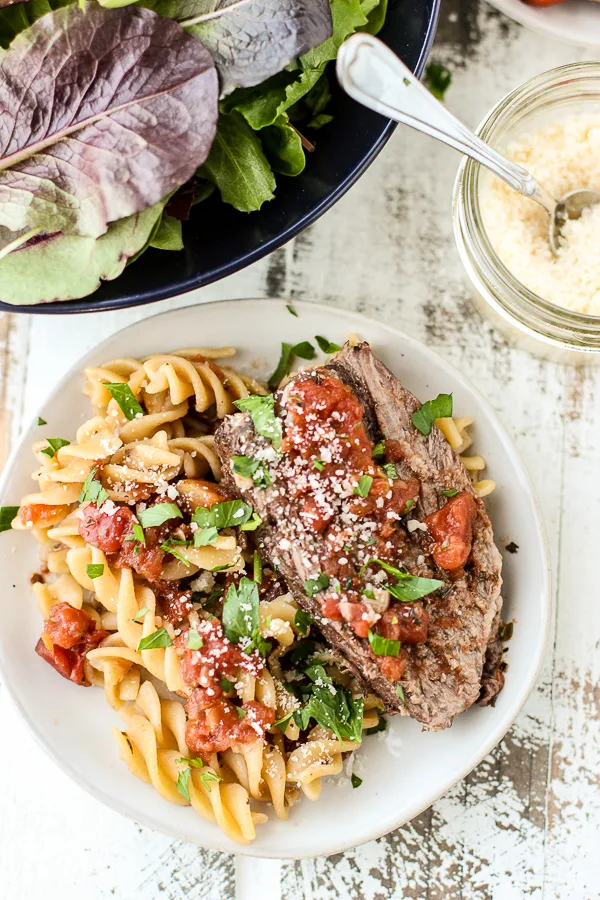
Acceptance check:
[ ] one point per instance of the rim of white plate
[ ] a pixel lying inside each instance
(501, 727)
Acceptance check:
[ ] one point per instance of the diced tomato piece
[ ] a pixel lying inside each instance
(216, 725)
(37, 513)
(69, 663)
(216, 657)
(331, 608)
(406, 622)
(67, 626)
(452, 528)
(106, 530)
(393, 667)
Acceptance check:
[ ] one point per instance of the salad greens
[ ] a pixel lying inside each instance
(218, 95)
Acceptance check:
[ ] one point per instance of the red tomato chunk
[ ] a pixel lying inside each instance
(71, 632)
(452, 528)
(214, 723)
(106, 530)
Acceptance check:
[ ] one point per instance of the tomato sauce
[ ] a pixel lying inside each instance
(215, 724)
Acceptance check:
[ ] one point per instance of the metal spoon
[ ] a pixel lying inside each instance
(373, 75)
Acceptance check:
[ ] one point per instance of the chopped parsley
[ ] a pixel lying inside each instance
(437, 79)
(124, 396)
(318, 464)
(390, 470)
(54, 445)
(356, 781)
(408, 506)
(159, 513)
(379, 450)
(363, 487)
(92, 490)
(241, 712)
(330, 705)
(94, 570)
(205, 777)
(370, 541)
(439, 408)
(226, 685)
(183, 782)
(326, 345)
(304, 350)
(7, 514)
(262, 412)
(157, 639)
(315, 585)
(253, 524)
(138, 535)
(139, 616)
(169, 547)
(302, 622)
(450, 493)
(408, 588)
(283, 723)
(400, 693)
(252, 468)
(291, 310)
(383, 646)
(41, 421)
(229, 514)
(283, 367)
(257, 568)
(194, 640)
(206, 537)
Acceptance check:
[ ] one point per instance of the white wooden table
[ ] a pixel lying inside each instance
(526, 822)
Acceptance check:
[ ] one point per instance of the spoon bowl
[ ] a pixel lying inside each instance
(570, 206)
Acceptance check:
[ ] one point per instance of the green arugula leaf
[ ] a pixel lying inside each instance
(94, 570)
(363, 487)
(54, 444)
(194, 640)
(237, 165)
(450, 493)
(159, 513)
(92, 490)
(160, 638)
(383, 646)
(356, 781)
(125, 398)
(302, 622)
(437, 79)
(262, 413)
(7, 514)
(326, 345)
(439, 408)
(315, 585)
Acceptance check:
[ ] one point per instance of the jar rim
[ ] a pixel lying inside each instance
(548, 320)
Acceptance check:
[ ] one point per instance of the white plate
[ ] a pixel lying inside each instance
(575, 21)
(403, 771)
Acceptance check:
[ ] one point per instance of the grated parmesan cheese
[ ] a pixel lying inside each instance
(562, 156)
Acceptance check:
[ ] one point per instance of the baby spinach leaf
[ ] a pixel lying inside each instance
(229, 29)
(333, 707)
(237, 165)
(115, 127)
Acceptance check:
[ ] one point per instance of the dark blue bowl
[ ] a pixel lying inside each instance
(219, 240)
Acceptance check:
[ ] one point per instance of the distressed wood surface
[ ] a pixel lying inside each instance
(526, 822)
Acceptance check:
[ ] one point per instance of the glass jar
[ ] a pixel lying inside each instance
(535, 323)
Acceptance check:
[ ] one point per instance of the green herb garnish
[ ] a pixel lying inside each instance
(283, 723)
(94, 570)
(325, 345)
(291, 310)
(424, 417)
(92, 490)
(139, 616)
(379, 450)
(356, 781)
(304, 350)
(452, 492)
(194, 640)
(241, 620)
(364, 486)
(302, 622)
(383, 646)
(390, 470)
(229, 514)
(226, 685)
(41, 421)
(318, 464)
(241, 712)
(183, 784)
(159, 513)
(253, 524)
(408, 506)
(314, 585)
(7, 514)
(400, 693)
(283, 367)
(252, 468)
(157, 639)
(125, 398)
(262, 413)
(54, 445)
(206, 537)
(331, 706)
(257, 568)
(437, 79)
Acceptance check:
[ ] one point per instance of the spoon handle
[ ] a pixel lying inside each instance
(370, 73)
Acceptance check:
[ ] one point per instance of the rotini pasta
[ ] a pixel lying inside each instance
(153, 589)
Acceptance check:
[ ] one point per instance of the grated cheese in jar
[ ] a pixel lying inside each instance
(562, 156)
